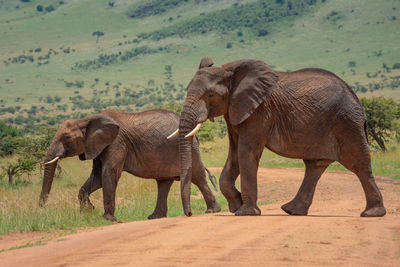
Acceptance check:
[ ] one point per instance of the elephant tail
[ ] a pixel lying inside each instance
(366, 130)
(212, 179)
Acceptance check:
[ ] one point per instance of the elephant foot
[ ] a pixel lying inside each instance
(215, 208)
(245, 210)
(86, 206)
(155, 215)
(235, 204)
(111, 218)
(378, 211)
(292, 208)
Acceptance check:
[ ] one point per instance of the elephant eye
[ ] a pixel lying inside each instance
(67, 138)
(211, 94)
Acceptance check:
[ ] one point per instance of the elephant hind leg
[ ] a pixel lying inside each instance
(160, 211)
(303, 199)
(361, 166)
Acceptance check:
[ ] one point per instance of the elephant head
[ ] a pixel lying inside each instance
(234, 90)
(85, 137)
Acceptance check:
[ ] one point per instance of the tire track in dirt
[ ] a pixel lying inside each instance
(333, 233)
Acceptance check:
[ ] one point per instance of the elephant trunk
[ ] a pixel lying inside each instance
(187, 123)
(48, 176)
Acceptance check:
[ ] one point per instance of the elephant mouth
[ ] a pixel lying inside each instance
(82, 156)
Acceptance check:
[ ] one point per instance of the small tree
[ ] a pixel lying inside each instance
(98, 34)
(23, 165)
(26, 151)
(381, 113)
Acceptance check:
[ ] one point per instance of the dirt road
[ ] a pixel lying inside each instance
(332, 234)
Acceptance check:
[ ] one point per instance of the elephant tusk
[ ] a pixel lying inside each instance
(52, 161)
(173, 134)
(194, 131)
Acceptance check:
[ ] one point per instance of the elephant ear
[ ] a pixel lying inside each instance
(206, 62)
(100, 132)
(251, 83)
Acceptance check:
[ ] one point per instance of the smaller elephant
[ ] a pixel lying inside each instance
(131, 142)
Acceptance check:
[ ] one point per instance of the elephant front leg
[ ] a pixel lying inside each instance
(110, 176)
(249, 154)
(92, 184)
(161, 207)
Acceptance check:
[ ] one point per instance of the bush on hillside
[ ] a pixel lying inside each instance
(262, 32)
(255, 16)
(49, 8)
(154, 7)
(381, 114)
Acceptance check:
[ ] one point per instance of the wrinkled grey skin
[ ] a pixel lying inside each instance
(309, 114)
(132, 142)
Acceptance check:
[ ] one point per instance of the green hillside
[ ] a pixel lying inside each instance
(51, 64)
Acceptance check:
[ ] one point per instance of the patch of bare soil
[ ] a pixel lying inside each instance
(332, 234)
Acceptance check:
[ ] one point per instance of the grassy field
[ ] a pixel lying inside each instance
(136, 198)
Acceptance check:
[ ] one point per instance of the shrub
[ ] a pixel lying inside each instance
(396, 66)
(49, 8)
(381, 113)
(154, 7)
(352, 63)
(39, 8)
(8, 135)
(229, 45)
(262, 32)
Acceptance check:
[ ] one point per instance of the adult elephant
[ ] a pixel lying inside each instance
(132, 142)
(309, 114)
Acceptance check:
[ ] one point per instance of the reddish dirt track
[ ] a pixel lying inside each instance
(332, 234)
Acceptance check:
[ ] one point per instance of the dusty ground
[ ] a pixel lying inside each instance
(333, 233)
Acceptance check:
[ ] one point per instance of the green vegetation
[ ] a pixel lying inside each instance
(98, 34)
(105, 59)
(136, 199)
(383, 115)
(253, 16)
(19, 153)
(154, 7)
